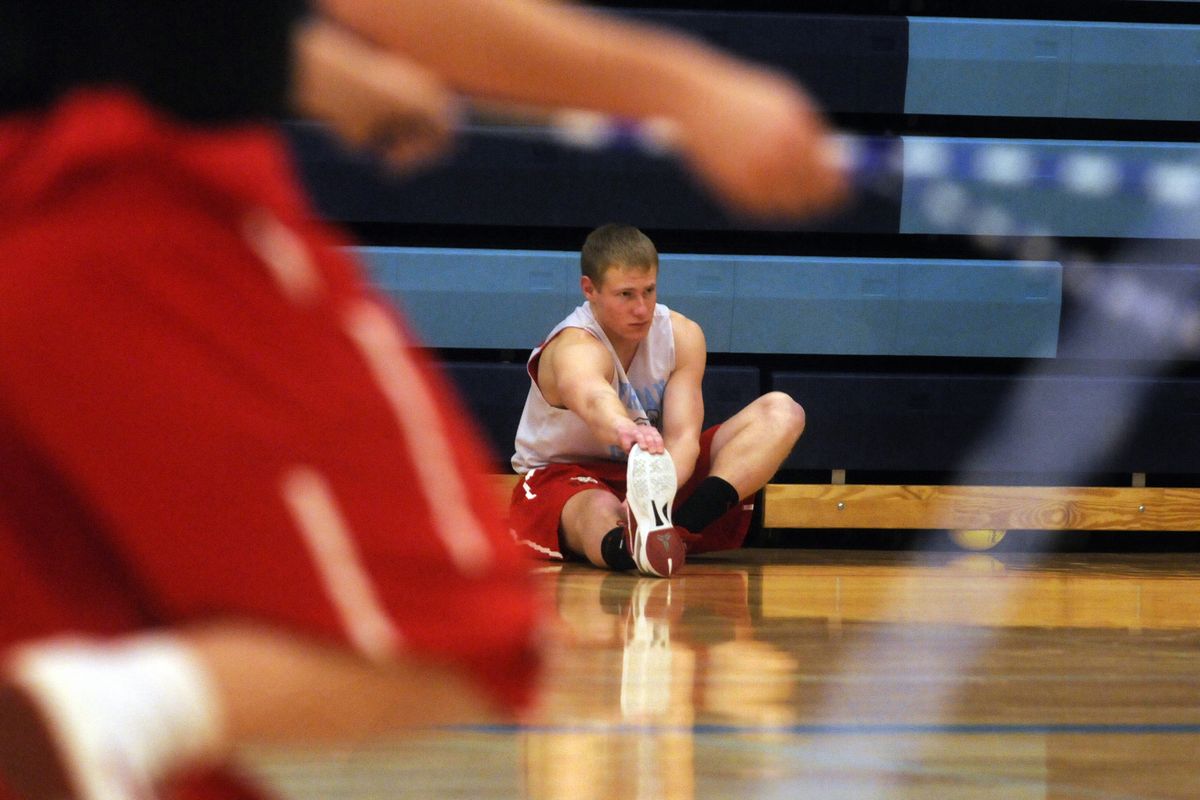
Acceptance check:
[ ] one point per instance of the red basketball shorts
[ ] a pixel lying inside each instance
(205, 413)
(538, 498)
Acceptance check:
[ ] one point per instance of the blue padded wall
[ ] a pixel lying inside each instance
(477, 298)
(1134, 312)
(1039, 68)
(1042, 206)
(746, 304)
(899, 307)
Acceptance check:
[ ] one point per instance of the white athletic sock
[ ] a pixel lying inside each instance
(126, 715)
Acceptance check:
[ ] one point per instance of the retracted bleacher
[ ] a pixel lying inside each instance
(914, 350)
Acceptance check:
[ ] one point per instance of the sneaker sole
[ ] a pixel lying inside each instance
(650, 485)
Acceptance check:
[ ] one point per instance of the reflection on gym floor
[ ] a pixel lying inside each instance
(785, 673)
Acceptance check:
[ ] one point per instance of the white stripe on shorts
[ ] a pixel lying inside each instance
(309, 497)
(534, 546)
(412, 403)
(285, 255)
(529, 495)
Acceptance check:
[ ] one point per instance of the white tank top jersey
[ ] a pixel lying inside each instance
(549, 435)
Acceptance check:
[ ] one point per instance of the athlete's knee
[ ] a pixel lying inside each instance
(782, 415)
(586, 518)
(602, 505)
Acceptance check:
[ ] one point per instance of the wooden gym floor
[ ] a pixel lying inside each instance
(772, 673)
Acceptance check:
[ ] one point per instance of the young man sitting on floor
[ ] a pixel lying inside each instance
(615, 395)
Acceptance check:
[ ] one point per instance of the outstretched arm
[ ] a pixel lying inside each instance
(750, 134)
(575, 371)
(370, 96)
(161, 704)
(683, 403)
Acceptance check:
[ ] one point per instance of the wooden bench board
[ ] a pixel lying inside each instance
(971, 507)
(915, 507)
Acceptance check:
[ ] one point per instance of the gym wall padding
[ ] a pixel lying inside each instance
(480, 299)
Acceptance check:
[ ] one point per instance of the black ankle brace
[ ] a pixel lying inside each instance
(613, 550)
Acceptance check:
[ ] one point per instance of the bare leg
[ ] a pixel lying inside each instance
(586, 517)
(753, 443)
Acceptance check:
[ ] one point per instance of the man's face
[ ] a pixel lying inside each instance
(624, 301)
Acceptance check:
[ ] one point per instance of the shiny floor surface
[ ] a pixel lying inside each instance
(835, 674)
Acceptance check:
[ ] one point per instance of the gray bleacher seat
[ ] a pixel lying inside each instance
(1046, 68)
(498, 299)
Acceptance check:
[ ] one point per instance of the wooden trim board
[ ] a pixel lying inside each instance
(871, 506)
(969, 507)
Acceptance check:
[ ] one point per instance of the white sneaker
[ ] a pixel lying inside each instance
(654, 543)
(646, 658)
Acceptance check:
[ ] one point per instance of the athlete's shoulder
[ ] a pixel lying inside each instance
(572, 336)
(686, 330)
(573, 351)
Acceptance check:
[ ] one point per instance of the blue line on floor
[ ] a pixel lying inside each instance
(843, 730)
